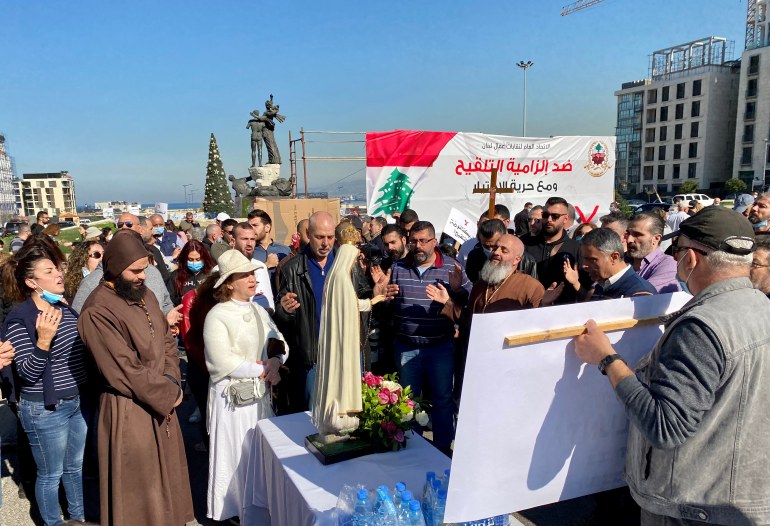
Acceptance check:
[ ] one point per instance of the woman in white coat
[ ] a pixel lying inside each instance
(244, 351)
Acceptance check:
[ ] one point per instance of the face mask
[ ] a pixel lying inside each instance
(85, 271)
(578, 238)
(195, 266)
(759, 225)
(158, 230)
(50, 297)
(683, 284)
(108, 238)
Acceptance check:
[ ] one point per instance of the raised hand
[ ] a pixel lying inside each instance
(437, 293)
(289, 302)
(46, 325)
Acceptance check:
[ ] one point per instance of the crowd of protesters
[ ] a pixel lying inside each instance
(90, 342)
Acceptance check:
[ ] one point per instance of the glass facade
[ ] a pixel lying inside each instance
(629, 140)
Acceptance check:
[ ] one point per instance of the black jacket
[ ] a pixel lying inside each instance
(299, 327)
(550, 259)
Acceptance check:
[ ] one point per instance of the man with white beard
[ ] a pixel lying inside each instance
(501, 287)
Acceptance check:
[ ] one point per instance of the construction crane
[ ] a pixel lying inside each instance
(577, 6)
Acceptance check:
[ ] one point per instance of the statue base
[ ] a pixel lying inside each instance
(332, 451)
(265, 175)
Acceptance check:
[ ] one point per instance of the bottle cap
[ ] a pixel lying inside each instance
(400, 486)
(430, 475)
(362, 494)
(406, 495)
(414, 505)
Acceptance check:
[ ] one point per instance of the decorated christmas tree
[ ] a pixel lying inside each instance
(396, 193)
(216, 196)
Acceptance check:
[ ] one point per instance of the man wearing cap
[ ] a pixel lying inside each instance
(221, 217)
(142, 464)
(698, 402)
(759, 213)
(743, 203)
(760, 265)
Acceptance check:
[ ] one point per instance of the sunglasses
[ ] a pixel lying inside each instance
(95, 255)
(127, 224)
(551, 215)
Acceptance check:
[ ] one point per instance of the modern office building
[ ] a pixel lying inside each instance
(679, 124)
(7, 197)
(753, 122)
(52, 192)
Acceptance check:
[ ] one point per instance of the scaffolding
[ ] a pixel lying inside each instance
(709, 51)
(303, 141)
(7, 177)
(757, 29)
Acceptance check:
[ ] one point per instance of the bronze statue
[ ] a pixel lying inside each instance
(271, 114)
(257, 128)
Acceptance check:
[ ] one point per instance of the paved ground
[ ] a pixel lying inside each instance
(18, 511)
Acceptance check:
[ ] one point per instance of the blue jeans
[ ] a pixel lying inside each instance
(57, 439)
(436, 364)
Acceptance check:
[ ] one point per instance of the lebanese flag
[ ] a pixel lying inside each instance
(395, 163)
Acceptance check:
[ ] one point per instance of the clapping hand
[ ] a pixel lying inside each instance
(382, 284)
(456, 277)
(6, 354)
(46, 325)
(437, 293)
(552, 294)
(571, 274)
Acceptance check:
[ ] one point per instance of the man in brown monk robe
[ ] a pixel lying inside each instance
(142, 465)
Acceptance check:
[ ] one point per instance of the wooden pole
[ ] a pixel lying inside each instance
(570, 332)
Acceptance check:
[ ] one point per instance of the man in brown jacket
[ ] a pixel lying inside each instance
(142, 464)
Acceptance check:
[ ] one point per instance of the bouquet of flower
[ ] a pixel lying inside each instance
(389, 410)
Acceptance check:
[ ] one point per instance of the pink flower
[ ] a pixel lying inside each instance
(370, 379)
(410, 403)
(394, 397)
(390, 427)
(384, 396)
(378, 380)
(399, 436)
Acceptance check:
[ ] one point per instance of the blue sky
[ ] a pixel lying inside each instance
(124, 95)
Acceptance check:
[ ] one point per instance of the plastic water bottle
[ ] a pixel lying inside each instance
(502, 520)
(415, 517)
(362, 512)
(403, 507)
(400, 487)
(427, 505)
(445, 479)
(386, 515)
(378, 500)
(439, 507)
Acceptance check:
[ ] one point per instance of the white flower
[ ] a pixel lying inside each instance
(422, 418)
(407, 416)
(390, 385)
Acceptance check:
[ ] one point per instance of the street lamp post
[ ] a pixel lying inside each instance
(525, 66)
(184, 186)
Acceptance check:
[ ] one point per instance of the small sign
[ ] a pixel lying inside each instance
(459, 226)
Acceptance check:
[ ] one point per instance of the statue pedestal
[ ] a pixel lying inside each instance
(333, 451)
(265, 175)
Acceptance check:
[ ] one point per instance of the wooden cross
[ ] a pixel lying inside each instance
(492, 191)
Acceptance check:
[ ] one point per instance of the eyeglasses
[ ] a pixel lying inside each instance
(754, 264)
(95, 255)
(421, 242)
(551, 215)
(127, 224)
(676, 249)
(229, 232)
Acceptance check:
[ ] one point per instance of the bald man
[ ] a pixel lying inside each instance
(298, 309)
(500, 288)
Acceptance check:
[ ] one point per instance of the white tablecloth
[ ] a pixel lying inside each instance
(298, 490)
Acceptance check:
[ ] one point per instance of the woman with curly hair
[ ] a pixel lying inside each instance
(194, 264)
(84, 259)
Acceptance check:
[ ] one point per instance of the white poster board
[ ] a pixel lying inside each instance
(162, 209)
(536, 425)
(108, 213)
(434, 172)
(459, 226)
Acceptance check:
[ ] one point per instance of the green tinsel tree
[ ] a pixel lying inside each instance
(217, 197)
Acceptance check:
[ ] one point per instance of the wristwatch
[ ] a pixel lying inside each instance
(607, 360)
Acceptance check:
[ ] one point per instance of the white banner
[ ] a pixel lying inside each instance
(435, 172)
(536, 425)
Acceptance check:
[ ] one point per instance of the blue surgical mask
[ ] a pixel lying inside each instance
(759, 225)
(683, 283)
(195, 266)
(50, 297)
(158, 230)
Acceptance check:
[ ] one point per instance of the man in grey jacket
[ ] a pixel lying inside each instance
(699, 401)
